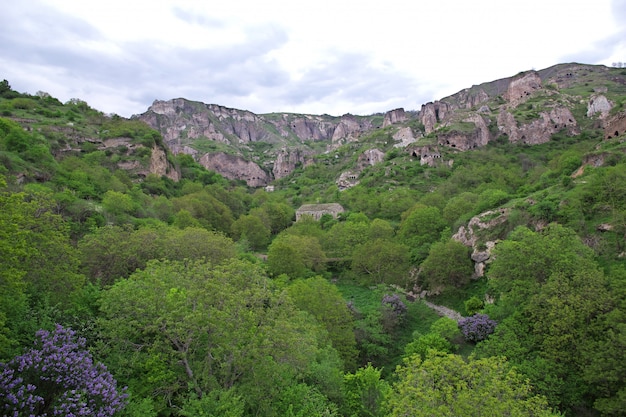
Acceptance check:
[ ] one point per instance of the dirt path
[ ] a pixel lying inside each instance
(444, 311)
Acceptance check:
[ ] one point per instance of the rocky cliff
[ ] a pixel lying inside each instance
(528, 108)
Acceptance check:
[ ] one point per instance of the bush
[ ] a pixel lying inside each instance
(58, 377)
(477, 327)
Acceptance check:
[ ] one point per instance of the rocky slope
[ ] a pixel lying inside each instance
(528, 109)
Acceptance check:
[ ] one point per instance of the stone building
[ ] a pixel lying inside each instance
(318, 210)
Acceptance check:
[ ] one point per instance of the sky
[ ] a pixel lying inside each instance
(316, 57)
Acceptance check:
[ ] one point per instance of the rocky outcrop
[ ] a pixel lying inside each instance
(369, 158)
(287, 160)
(348, 179)
(159, 165)
(470, 236)
(404, 136)
(305, 127)
(520, 89)
(432, 113)
(428, 155)
(540, 130)
(350, 128)
(394, 116)
(235, 168)
(615, 126)
(598, 104)
(464, 141)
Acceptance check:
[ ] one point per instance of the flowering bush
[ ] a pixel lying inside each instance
(477, 327)
(58, 378)
(394, 303)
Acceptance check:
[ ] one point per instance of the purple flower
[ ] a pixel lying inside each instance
(477, 327)
(58, 378)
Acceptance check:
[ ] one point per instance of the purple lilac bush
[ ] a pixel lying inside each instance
(477, 327)
(58, 378)
(394, 303)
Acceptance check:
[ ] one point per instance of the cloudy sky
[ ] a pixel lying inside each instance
(333, 57)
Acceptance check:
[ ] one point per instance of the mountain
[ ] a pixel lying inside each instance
(526, 109)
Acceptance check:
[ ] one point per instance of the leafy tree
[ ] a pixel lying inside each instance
(382, 261)
(113, 252)
(208, 210)
(324, 301)
(420, 227)
(448, 265)
(39, 265)
(365, 392)
(393, 312)
(342, 239)
(295, 256)
(445, 384)
(187, 328)
(425, 343)
(251, 229)
(473, 305)
(58, 377)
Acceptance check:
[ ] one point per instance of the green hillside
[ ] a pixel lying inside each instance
(203, 296)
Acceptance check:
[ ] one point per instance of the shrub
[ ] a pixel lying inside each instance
(477, 327)
(58, 377)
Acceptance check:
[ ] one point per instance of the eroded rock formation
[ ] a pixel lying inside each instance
(235, 168)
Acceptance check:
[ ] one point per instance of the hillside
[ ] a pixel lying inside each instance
(169, 243)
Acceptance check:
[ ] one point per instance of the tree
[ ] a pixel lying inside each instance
(324, 301)
(58, 377)
(446, 385)
(420, 227)
(382, 261)
(251, 229)
(187, 328)
(448, 265)
(295, 256)
(365, 392)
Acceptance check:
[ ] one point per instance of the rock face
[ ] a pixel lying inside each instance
(469, 119)
(368, 158)
(599, 104)
(615, 126)
(432, 113)
(404, 136)
(468, 236)
(428, 155)
(235, 168)
(287, 160)
(520, 89)
(160, 166)
(464, 141)
(350, 128)
(540, 130)
(394, 116)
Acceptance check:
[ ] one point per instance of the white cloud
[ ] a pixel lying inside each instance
(312, 57)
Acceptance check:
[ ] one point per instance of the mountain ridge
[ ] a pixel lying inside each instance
(527, 108)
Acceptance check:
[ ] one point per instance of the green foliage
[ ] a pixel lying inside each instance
(445, 384)
(474, 305)
(421, 226)
(365, 391)
(448, 265)
(382, 261)
(204, 327)
(295, 256)
(251, 229)
(324, 302)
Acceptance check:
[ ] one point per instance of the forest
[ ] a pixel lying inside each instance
(126, 294)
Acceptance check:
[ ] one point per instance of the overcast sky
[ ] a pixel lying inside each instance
(333, 57)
